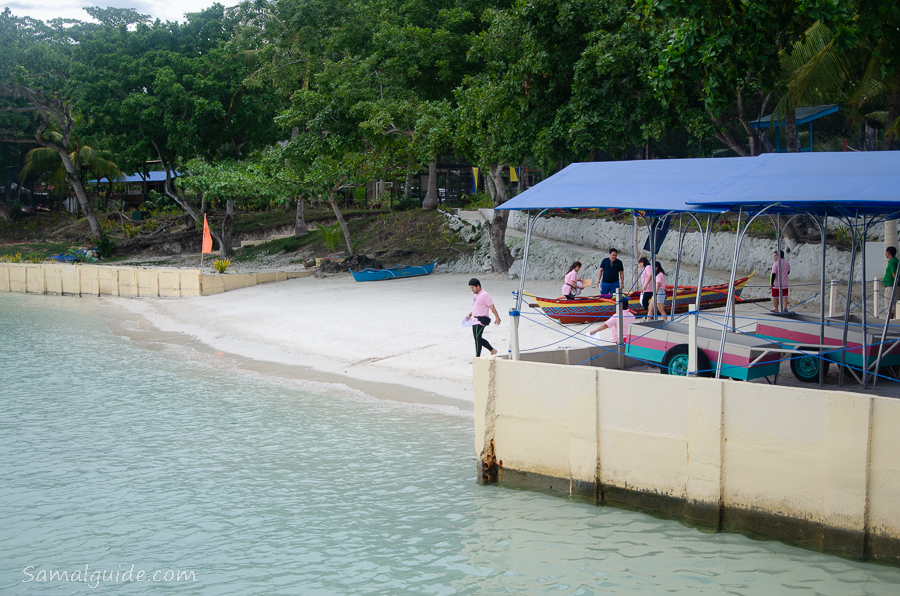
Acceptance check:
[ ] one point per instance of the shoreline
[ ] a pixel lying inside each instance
(336, 330)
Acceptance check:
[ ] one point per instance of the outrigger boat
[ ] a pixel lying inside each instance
(589, 309)
(393, 272)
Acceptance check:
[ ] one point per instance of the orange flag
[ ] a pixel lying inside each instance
(207, 239)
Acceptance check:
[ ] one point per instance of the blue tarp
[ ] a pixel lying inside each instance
(657, 186)
(835, 184)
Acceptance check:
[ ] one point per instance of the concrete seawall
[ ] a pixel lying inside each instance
(817, 469)
(108, 280)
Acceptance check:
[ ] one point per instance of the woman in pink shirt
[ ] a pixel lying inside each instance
(646, 282)
(481, 306)
(571, 286)
(780, 271)
(659, 295)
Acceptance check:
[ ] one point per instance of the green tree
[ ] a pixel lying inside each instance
(174, 92)
(36, 61)
(724, 55)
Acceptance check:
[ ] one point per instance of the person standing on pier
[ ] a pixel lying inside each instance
(779, 278)
(482, 306)
(612, 273)
(890, 253)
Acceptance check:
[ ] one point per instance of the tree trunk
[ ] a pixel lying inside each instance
(73, 179)
(431, 197)
(337, 213)
(227, 226)
(722, 134)
(300, 229)
(893, 113)
(501, 258)
(790, 131)
(6, 212)
(745, 122)
(870, 143)
(407, 187)
(203, 206)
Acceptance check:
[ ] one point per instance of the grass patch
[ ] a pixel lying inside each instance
(38, 248)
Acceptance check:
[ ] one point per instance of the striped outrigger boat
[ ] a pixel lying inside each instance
(589, 309)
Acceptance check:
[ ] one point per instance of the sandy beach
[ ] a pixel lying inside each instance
(403, 332)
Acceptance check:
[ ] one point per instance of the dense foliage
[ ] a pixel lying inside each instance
(290, 100)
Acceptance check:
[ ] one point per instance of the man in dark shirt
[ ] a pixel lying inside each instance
(612, 273)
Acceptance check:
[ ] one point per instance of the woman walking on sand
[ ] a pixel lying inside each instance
(482, 305)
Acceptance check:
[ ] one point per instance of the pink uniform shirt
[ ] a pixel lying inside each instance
(482, 303)
(569, 283)
(646, 276)
(782, 268)
(627, 319)
(660, 282)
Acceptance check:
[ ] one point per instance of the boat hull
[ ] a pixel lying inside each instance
(393, 272)
(592, 309)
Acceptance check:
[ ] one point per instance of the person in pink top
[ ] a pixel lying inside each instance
(779, 278)
(611, 323)
(571, 285)
(659, 296)
(646, 282)
(482, 306)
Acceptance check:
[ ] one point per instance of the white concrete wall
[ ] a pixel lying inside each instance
(814, 467)
(95, 280)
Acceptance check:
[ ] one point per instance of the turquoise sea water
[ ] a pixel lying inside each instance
(117, 452)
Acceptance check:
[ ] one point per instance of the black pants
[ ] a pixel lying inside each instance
(478, 331)
(645, 299)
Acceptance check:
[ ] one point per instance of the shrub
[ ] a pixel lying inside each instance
(331, 236)
(105, 247)
(220, 265)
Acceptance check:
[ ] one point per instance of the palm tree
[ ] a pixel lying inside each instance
(820, 71)
(44, 160)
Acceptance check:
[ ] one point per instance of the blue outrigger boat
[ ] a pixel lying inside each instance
(393, 272)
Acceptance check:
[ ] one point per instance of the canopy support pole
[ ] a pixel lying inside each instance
(849, 305)
(677, 264)
(823, 233)
(514, 315)
(704, 246)
(865, 346)
(730, 300)
(652, 302)
(781, 300)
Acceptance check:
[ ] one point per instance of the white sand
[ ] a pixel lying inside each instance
(406, 332)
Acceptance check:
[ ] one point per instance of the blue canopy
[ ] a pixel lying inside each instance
(657, 186)
(834, 184)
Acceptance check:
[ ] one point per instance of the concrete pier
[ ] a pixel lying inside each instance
(815, 468)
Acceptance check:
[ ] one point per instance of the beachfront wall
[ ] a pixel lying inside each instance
(815, 468)
(107, 280)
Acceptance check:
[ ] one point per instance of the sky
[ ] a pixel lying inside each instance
(165, 10)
